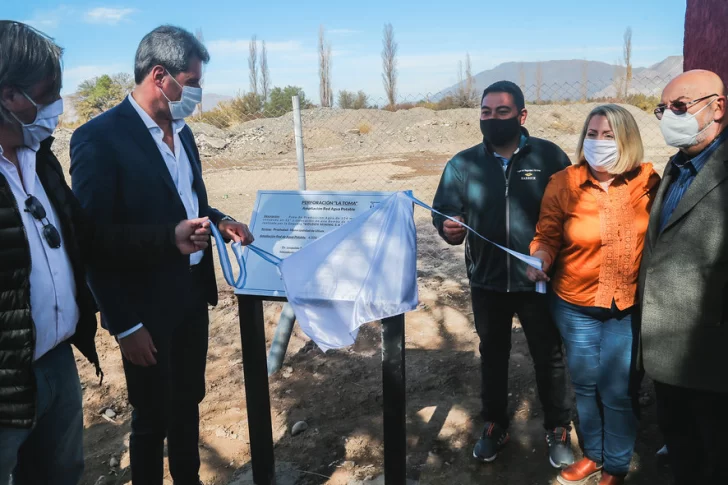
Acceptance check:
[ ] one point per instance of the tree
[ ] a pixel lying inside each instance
(264, 74)
(522, 77)
(627, 59)
(247, 106)
(101, 93)
(460, 94)
(539, 81)
(389, 65)
(351, 100)
(280, 101)
(469, 82)
(619, 82)
(584, 80)
(253, 64)
(325, 92)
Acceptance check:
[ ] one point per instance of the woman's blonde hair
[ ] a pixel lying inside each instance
(626, 134)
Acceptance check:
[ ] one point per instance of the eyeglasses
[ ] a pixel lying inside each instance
(679, 107)
(50, 233)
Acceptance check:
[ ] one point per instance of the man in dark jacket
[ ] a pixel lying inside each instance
(683, 285)
(139, 162)
(496, 187)
(45, 240)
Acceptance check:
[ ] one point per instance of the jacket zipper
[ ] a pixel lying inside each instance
(30, 259)
(507, 177)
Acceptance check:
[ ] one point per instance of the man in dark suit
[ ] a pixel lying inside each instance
(138, 163)
(684, 281)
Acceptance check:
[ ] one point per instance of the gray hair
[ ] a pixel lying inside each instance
(27, 57)
(170, 47)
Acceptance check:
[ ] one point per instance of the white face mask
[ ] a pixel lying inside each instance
(191, 97)
(601, 155)
(682, 131)
(46, 121)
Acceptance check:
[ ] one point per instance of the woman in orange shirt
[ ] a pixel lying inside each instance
(590, 236)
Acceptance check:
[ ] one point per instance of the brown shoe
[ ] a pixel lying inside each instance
(579, 473)
(608, 479)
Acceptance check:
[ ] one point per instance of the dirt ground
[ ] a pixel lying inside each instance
(339, 393)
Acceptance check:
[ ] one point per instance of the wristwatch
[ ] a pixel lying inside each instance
(228, 218)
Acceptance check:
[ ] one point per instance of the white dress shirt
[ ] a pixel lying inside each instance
(178, 164)
(52, 285)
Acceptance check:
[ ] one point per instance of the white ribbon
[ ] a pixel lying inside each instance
(239, 282)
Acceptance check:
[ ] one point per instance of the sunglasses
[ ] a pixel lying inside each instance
(50, 233)
(679, 107)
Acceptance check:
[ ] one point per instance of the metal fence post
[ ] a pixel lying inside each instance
(285, 324)
(298, 132)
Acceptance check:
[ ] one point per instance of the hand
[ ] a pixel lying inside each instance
(138, 348)
(537, 275)
(192, 235)
(454, 232)
(236, 231)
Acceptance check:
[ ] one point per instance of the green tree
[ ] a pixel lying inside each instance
(101, 93)
(351, 100)
(280, 101)
(247, 105)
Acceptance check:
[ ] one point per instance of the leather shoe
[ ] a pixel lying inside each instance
(608, 479)
(580, 472)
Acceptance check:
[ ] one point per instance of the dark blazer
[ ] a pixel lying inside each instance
(120, 177)
(683, 285)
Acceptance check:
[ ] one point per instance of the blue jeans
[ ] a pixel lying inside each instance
(51, 452)
(599, 350)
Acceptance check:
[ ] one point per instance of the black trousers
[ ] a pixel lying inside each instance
(493, 312)
(695, 426)
(166, 396)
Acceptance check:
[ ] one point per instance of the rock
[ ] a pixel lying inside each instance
(299, 428)
(110, 413)
(101, 480)
(287, 372)
(114, 462)
(355, 131)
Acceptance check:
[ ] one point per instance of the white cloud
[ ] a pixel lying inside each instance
(228, 47)
(74, 76)
(49, 19)
(107, 15)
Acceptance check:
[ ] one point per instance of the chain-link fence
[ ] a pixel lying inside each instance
(405, 148)
(247, 145)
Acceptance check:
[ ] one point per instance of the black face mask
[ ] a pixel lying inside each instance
(500, 132)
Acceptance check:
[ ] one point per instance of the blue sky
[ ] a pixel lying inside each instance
(102, 37)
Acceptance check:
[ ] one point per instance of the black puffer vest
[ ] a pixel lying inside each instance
(17, 330)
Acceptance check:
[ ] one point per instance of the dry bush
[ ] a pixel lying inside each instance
(364, 128)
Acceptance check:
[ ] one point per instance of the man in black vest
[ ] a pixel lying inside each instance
(138, 162)
(45, 239)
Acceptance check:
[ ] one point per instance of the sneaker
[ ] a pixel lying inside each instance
(490, 443)
(560, 454)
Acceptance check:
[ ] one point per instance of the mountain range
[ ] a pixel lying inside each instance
(564, 79)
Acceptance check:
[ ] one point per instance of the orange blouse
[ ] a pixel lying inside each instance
(595, 237)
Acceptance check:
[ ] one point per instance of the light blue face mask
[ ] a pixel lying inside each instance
(46, 120)
(188, 102)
